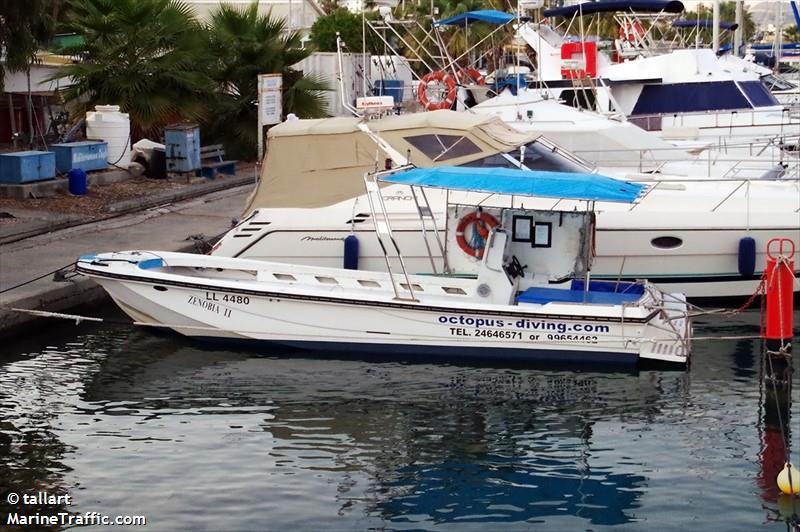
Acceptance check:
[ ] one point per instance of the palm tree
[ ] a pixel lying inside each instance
(244, 44)
(147, 56)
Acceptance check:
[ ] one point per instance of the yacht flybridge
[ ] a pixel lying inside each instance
(686, 92)
(489, 316)
(685, 236)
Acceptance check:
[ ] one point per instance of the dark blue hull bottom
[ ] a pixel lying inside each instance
(484, 354)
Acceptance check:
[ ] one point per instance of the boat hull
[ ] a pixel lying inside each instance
(202, 308)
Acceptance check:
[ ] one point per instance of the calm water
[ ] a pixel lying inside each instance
(130, 422)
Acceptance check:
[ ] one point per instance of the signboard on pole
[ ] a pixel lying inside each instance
(270, 105)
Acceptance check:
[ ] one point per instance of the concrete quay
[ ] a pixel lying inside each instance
(168, 227)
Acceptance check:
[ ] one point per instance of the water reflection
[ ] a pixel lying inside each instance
(440, 443)
(299, 441)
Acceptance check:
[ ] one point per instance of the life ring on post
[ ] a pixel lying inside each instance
(437, 76)
(483, 223)
(470, 75)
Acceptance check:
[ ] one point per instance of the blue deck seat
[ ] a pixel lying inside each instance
(600, 293)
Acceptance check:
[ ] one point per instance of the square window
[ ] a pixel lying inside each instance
(522, 228)
(542, 233)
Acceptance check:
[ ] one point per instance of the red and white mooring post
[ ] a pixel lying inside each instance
(779, 289)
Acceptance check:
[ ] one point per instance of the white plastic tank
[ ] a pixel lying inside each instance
(108, 124)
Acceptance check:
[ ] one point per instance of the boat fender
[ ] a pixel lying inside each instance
(789, 480)
(747, 256)
(351, 252)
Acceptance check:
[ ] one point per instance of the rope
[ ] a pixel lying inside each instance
(71, 264)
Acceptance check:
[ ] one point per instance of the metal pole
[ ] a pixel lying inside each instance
(715, 43)
(12, 114)
(778, 37)
(737, 37)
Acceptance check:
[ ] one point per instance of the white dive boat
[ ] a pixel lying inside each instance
(487, 316)
(685, 236)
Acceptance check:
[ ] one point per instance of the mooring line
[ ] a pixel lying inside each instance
(71, 264)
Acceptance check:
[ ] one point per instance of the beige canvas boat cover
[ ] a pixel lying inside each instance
(315, 163)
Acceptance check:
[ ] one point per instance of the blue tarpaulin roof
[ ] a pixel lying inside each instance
(512, 181)
(492, 16)
(612, 6)
(702, 23)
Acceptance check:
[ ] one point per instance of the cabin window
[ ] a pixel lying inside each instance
(326, 280)
(542, 233)
(690, 97)
(284, 277)
(415, 286)
(160, 288)
(522, 228)
(454, 290)
(369, 284)
(443, 147)
(666, 242)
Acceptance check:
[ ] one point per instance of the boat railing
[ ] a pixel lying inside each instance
(714, 153)
(743, 186)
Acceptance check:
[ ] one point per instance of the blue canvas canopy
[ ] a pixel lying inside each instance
(511, 181)
(703, 23)
(613, 6)
(492, 16)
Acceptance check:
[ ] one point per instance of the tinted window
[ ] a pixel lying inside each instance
(493, 161)
(537, 157)
(775, 83)
(443, 147)
(758, 94)
(689, 97)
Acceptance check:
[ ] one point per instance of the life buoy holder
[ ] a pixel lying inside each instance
(483, 222)
(471, 75)
(442, 77)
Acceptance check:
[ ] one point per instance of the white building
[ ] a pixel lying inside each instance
(303, 12)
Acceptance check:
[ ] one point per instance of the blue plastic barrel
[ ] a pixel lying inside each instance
(747, 256)
(351, 252)
(390, 87)
(77, 182)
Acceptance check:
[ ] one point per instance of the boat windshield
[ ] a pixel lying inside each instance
(537, 157)
(776, 83)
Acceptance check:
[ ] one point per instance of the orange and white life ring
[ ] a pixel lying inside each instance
(439, 76)
(470, 76)
(482, 223)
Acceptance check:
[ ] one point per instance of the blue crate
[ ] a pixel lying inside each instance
(87, 155)
(27, 166)
(182, 143)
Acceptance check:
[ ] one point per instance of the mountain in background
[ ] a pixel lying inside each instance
(766, 13)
